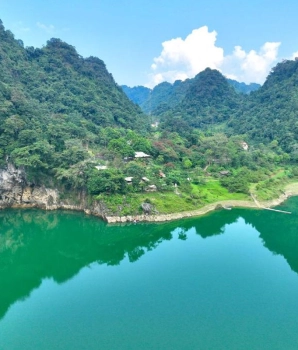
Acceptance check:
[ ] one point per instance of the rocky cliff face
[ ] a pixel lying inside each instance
(16, 192)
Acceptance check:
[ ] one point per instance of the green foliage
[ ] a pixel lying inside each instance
(106, 181)
(121, 147)
(135, 170)
(166, 96)
(270, 114)
(242, 87)
(56, 105)
(238, 183)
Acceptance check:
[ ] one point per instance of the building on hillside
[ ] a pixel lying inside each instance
(141, 155)
(224, 173)
(244, 145)
(151, 188)
(101, 167)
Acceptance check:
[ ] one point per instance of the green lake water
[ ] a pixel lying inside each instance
(228, 280)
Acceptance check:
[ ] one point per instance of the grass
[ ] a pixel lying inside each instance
(212, 192)
(273, 186)
(194, 196)
(170, 202)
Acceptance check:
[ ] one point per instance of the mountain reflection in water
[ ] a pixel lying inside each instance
(35, 244)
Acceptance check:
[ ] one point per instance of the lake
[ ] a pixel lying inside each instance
(228, 280)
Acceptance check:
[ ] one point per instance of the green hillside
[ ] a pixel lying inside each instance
(56, 105)
(165, 96)
(69, 126)
(271, 113)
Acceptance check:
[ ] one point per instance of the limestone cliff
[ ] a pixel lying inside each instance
(17, 192)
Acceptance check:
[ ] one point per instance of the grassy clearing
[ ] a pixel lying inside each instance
(273, 186)
(212, 192)
(170, 202)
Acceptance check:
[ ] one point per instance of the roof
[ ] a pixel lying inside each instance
(101, 167)
(128, 179)
(141, 155)
(244, 145)
(224, 172)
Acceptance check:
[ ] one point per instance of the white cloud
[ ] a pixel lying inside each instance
(295, 54)
(47, 28)
(251, 66)
(181, 59)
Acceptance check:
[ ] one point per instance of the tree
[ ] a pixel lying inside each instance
(109, 181)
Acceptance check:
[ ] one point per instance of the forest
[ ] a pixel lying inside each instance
(66, 122)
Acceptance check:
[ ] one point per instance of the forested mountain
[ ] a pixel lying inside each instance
(137, 94)
(56, 79)
(271, 113)
(242, 87)
(165, 96)
(55, 104)
(209, 101)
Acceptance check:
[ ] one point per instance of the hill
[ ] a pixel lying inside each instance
(55, 104)
(209, 101)
(56, 79)
(165, 96)
(242, 87)
(271, 113)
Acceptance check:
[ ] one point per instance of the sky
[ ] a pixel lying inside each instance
(146, 42)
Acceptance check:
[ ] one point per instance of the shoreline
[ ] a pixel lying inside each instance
(289, 191)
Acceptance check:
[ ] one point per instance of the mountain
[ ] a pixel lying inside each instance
(209, 100)
(271, 113)
(55, 105)
(165, 96)
(57, 80)
(242, 87)
(137, 94)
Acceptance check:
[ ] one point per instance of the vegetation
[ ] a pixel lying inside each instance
(67, 123)
(165, 96)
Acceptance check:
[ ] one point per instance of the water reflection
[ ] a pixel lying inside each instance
(35, 245)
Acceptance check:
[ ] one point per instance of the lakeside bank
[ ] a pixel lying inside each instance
(290, 190)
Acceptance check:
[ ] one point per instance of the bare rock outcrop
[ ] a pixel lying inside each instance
(17, 192)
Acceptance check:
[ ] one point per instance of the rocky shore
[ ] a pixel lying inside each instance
(15, 192)
(202, 211)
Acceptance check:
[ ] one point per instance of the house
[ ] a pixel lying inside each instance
(128, 179)
(141, 155)
(244, 145)
(224, 173)
(161, 174)
(151, 188)
(101, 167)
(145, 179)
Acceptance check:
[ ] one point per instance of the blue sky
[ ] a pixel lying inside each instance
(145, 42)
